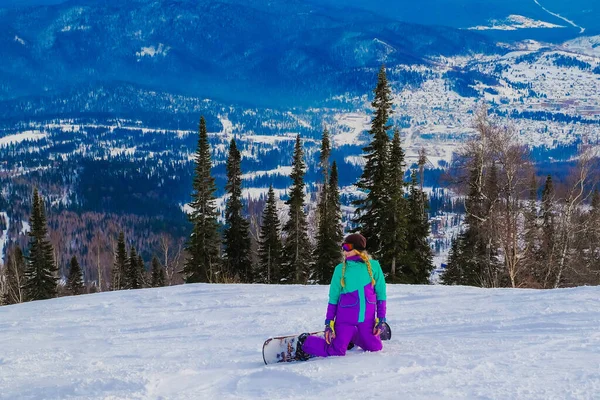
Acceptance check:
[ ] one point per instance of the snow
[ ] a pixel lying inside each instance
(281, 170)
(356, 160)
(20, 137)
(588, 45)
(70, 28)
(204, 342)
(352, 126)
(128, 151)
(152, 51)
(227, 125)
(514, 22)
(25, 227)
(268, 139)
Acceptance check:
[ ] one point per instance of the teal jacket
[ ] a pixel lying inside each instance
(357, 300)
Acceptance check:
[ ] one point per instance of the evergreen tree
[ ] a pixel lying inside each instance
(531, 231)
(394, 241)
(593, 253)
(204, 243)
(158, 273)
(371, 212)
(120, 266)
(296, 249)
(329, 236)
(40, 271)
(474, 257)
(238, 258)
(454, 272)
(418, 262)
(142, 271)
(133, 277)
(270, 247)
(14, 274)
(75, 279)
(548, 235)
(335, 217)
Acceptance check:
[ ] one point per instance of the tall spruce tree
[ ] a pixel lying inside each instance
(371, 212)
(297, 251)
(14, 274)
(133, 277)
(418, 262)
(41, 270)
(329, 236)
(120, 265)
(394, 241)
(202, 263)
(75, 280)
(270, 251)
(238, 257)
(454, 272)
(142, 271)
(548, 235)
(320, 255)
(158, 273)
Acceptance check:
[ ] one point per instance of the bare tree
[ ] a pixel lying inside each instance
(513, 168)
(172, 254)
(577, 193)
(12, 276)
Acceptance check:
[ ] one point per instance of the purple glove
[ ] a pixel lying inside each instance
(379, 322)
(329, 322)
(329, 330)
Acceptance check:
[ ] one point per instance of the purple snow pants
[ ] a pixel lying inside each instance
(360, 334)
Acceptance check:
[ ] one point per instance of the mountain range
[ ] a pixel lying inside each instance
(277, 53)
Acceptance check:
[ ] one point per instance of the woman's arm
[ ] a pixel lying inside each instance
(335, 290)
(380, 291)
(380, 288)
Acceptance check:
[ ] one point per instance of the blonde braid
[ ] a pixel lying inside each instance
(365, 257)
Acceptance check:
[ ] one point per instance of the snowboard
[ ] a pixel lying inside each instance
(283, 348)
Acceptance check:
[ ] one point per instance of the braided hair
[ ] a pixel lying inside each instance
(365, 257)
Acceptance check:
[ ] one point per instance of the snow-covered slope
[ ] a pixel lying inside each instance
(204, 342)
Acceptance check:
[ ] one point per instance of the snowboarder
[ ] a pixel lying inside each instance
(357, 305)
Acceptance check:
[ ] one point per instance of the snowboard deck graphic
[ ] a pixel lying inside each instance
(283, 348)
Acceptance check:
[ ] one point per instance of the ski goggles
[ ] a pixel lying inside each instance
(347, 247)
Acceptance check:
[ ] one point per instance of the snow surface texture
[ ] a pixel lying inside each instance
(204, 342)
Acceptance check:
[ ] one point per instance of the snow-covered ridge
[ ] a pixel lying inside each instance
(204, 342)
(514, 22)
(588, 45)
